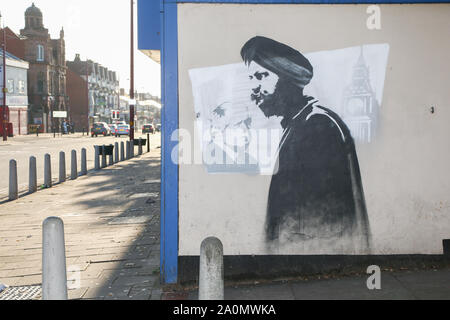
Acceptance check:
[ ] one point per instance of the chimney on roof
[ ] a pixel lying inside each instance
(77, 57)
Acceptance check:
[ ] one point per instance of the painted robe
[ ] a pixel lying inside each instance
(317, 193)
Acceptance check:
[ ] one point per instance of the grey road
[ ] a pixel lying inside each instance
(21, 148)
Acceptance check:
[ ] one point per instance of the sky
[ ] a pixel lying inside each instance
(98, 30)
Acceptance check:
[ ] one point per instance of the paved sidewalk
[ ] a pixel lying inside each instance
(395, 285)
(111, 220)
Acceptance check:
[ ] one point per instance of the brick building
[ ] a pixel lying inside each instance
(47, 73)
(14, 43)
(103, 95)
(16, 96)
(78, 95)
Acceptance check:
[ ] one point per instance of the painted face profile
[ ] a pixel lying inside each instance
(263, 82)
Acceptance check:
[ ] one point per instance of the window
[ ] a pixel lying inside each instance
(40, 86)
(40, 53)
(40, 82)
(21, 86)
(10, 86)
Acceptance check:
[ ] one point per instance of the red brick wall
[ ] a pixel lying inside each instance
(77, 92)
(13, 43)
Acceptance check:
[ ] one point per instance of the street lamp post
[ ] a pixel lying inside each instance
(4, 115)
(52, 120)
(87, 93)
(132, 124)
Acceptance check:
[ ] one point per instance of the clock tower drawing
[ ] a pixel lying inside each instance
(360, 107)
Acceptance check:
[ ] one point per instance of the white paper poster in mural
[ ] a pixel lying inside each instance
(348, 81)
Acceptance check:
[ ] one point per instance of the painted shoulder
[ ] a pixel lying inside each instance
(316, 110)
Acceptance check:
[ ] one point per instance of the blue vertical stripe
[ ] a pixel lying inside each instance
(169, 175)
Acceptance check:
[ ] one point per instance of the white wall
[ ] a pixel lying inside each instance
(404, 170)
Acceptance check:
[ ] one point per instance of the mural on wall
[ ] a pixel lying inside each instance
(316, 197)
(350, 81)
(317, 192)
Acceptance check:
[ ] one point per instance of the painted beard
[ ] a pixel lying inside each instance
(285, 96)
(268, 103)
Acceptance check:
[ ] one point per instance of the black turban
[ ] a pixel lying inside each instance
(279, 58)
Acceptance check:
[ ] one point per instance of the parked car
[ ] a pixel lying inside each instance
(123, 130)
(100, 128)
(113, 128)
(158, 127)
(148, 128)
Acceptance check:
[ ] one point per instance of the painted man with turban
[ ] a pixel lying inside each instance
(316, 195)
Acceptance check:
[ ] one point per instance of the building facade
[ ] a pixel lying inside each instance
(148, 110)
(100, 95)
(14, 43)
(47, 72)
(16, 96)
(405, 201)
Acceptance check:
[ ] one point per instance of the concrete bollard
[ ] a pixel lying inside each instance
(140, 147)
(111, 158)
(211, 280)
(97, 157)
(103, 156)
(128, 150)
(13, 186)
(116, 152)
(62, 167)
(83, 162)
(73, 167)
(122, 151)
(47, 171)
(32, 180)
(54, 275)
(148, 142)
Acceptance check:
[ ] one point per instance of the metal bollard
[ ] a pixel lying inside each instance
(116, 152)
(13, 186)
(47, 171)
(83, 162)
(140, 147)
(73, 167)
(122, 151)
(54, 275)
(128, 150)
(32, 180)
(148, 142)
(62, 167)
(103, 157)
(97, 157)
(211, 281)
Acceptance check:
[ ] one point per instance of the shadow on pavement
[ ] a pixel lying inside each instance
(128, 196)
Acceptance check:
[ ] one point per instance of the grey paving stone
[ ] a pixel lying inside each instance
(351, 288)
(135, 280)
(426, 285)
(278, 291)
(142, 293)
